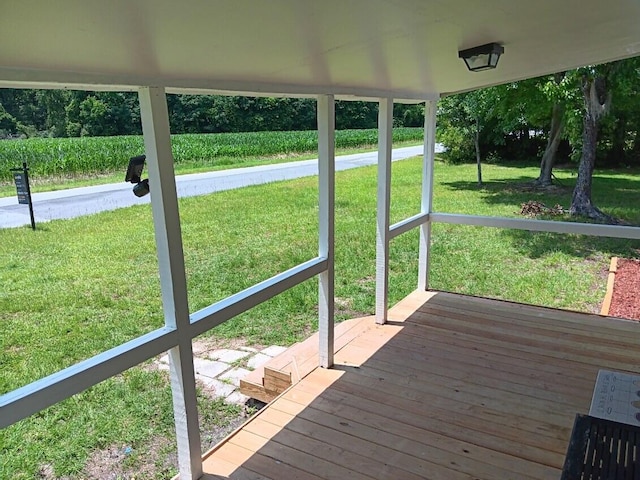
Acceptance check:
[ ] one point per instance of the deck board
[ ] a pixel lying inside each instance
(453, 387)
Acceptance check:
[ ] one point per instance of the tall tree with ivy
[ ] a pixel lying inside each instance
(597, 85)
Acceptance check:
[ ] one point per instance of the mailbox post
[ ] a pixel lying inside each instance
(21, 178)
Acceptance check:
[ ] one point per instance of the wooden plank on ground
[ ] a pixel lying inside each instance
(611, 278)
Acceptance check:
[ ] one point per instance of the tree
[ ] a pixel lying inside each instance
(597, 100)
(408, 115)
(598, 86)
(466, 118)
(556, 130)
(8, 124)
(622, 126)
(534, 105)
(475, 104)
(54, 102)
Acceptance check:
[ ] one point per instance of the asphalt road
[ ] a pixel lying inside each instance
(76, 202)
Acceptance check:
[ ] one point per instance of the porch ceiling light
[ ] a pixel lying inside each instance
(480, 58)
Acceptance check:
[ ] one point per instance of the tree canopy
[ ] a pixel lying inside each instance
(68, 113)
(587, 115)
(516, 119)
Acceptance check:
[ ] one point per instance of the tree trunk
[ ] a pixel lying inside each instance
(477, 145)
(596, 104)
(555, 136)
(581, 199)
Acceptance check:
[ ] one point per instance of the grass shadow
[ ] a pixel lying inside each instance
(614, 192)
(540, 244)
(611, 192)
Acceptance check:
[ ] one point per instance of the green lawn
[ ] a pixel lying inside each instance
(77, 287)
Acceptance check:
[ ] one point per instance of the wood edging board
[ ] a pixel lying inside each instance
(606, 304)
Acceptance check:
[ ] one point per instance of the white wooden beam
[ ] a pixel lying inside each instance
(614, 231)
(58, 386)
(430, 108)
(51, 79)
(326, 226)
(166, 219)
(410, 223)
(385, 141)
(205, 319)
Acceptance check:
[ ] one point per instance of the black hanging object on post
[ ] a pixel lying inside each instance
(23, 189)
(134, 175)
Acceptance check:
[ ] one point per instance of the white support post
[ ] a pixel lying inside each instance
(385, 140)
(166, 220)
(326, 221)
(430, 108)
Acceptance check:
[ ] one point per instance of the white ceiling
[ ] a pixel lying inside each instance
(363, 48)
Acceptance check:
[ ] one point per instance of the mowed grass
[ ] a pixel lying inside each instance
(77, 287)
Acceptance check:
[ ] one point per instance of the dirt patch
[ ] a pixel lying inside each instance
(625, 301)
(106, 464)
(157, 459)
(536, 188)
(116, 462)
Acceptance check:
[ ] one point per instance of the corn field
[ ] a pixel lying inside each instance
(48, 157)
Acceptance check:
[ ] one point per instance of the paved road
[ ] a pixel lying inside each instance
(89, 200)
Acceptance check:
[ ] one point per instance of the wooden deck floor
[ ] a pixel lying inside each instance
(452, 388)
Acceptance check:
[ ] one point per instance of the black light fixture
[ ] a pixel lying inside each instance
(484, 57)
(134, 172)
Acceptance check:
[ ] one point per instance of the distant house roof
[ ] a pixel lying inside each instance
(406, 49)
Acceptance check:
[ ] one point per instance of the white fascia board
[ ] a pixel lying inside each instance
(62, 80)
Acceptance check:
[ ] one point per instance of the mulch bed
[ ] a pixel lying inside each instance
(625, 301)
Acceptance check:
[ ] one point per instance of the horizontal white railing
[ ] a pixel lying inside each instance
(598, 230)
(219, 312)
(43, 393)
(550, 226)
(58, 386)
(408, 224)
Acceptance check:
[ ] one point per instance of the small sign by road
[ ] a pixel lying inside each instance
(21, 186)
(21, 178)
